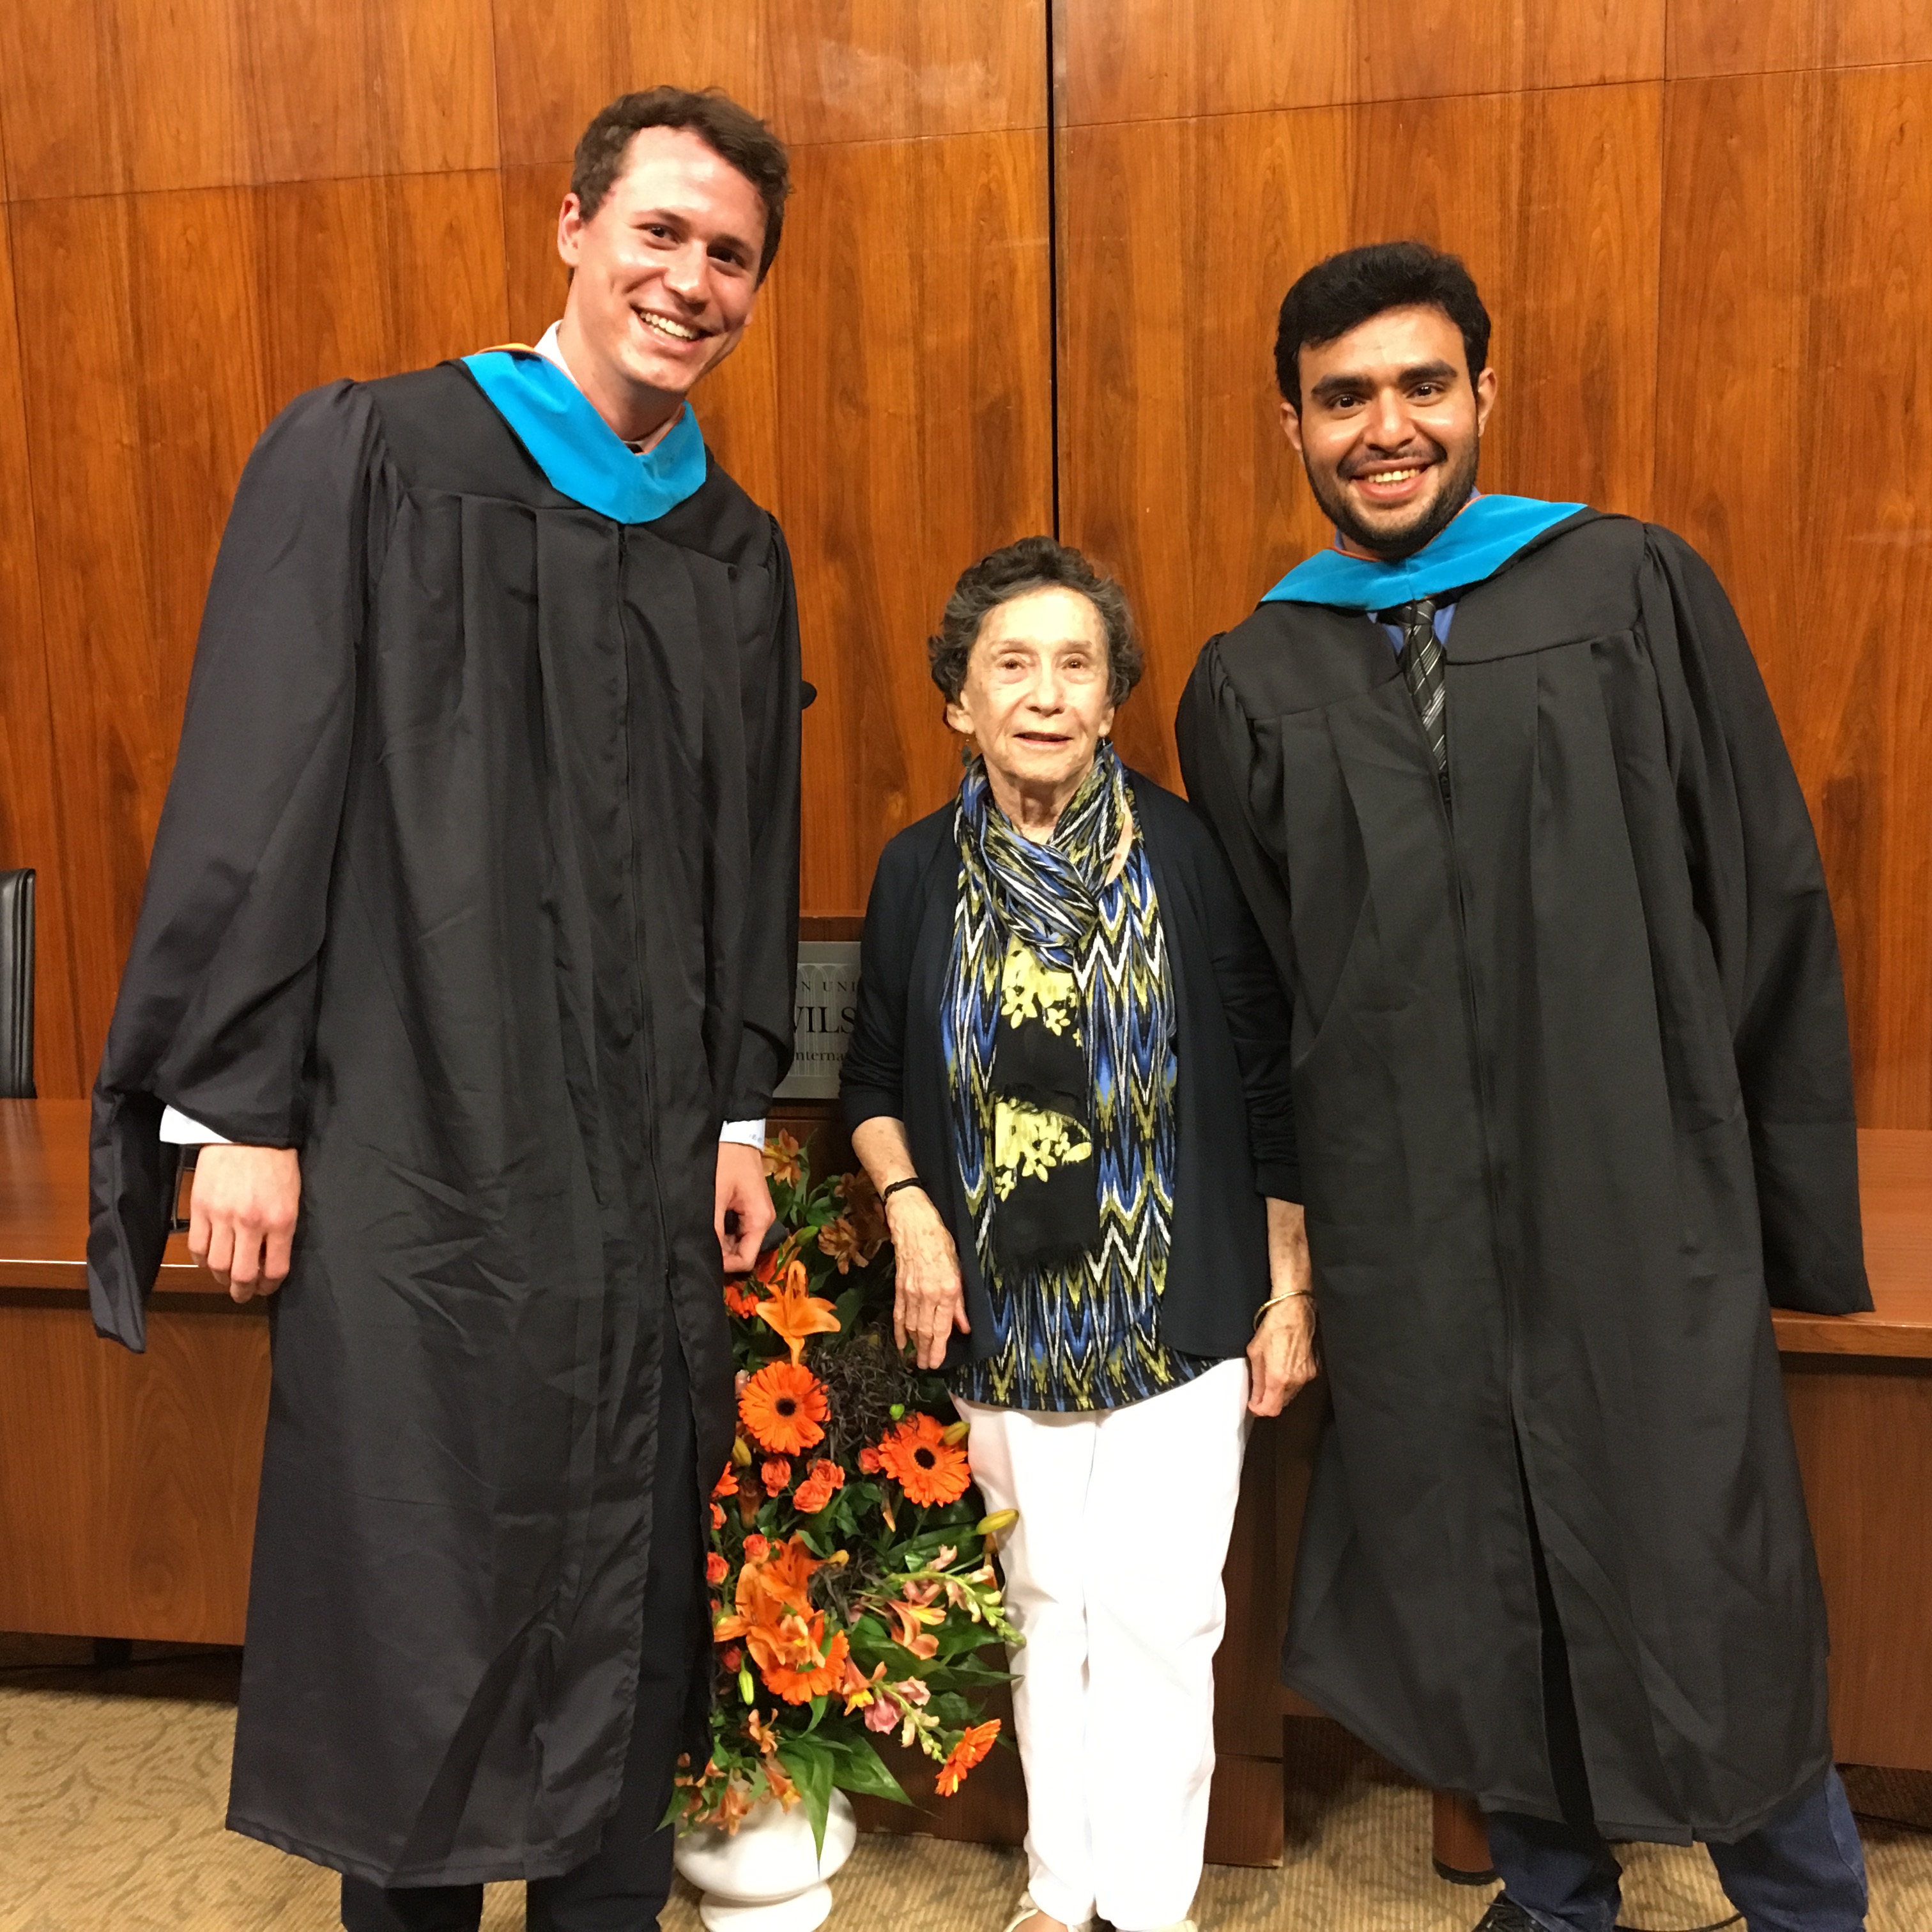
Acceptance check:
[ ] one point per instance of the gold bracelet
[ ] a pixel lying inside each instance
(1287, 1294)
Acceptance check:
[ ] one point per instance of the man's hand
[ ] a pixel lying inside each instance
(741, 1191)
(1282, 1358)
(928, 1301)
(242, 1216)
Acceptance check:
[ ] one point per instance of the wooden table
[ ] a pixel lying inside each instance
(128, 1483)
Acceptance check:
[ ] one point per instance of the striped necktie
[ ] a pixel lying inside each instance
(1422, 671)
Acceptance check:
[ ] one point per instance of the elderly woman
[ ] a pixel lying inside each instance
(1068, 1078)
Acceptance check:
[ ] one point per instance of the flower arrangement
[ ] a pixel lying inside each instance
(852, 1579)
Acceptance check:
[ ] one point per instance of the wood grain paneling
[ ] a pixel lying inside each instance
(915, 420)
(30, 824)
(558, 61)
(142, 368)
(161, 332)
(1139, 60)
(105, 95)
(873, 70)
(1864, 1431)
(1794, 280)
(395, 273)
(819, 69)
(1746, 36)
(130, 1497)
(1179, 239)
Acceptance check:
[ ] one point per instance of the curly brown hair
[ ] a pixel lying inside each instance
(1033, 563)
(734, 133)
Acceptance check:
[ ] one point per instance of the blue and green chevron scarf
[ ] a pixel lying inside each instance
(1060, 1032)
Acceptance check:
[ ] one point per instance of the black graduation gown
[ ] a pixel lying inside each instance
(1572, 1090)
(477, 882)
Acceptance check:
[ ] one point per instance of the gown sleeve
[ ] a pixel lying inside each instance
(770, 929)
(1761, 888)
(1218, 765)
(217, 1005)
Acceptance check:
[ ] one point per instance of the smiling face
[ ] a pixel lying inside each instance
(1390, 428)
(1036, 698)
(665, 276)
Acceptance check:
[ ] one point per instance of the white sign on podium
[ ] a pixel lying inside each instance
(827, 1004)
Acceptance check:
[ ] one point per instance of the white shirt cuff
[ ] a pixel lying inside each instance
(177, 1128)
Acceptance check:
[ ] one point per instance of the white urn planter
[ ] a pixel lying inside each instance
(766, 1876)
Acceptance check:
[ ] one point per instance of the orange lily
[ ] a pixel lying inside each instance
(795, 1314)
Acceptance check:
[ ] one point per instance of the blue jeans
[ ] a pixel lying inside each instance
(1801, 1870)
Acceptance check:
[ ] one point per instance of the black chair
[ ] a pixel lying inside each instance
(16, 985)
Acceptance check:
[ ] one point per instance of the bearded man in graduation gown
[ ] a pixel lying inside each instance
(1573, 1085)
(471, 925)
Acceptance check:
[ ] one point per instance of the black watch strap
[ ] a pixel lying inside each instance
(911, 1180)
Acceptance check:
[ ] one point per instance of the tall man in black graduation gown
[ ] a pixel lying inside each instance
(1572, 1088)
(471, 918)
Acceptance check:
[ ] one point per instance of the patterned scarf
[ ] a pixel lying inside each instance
(1058, 1034)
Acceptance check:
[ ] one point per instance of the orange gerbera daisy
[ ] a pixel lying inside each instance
(782, 1405)
(818, 1489)
(973, 1746)
(917, 1456)
(795, 1315)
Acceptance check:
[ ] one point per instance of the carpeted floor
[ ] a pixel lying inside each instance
(112, 1783)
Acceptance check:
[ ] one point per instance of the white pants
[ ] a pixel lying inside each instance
(1114, 1576)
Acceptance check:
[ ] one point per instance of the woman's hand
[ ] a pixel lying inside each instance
(928, 1302)
(1282, 1358)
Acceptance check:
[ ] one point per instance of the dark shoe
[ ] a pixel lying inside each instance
(1505, 1915)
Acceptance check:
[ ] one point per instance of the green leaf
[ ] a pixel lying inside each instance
(810, 1767)
(860, 1769)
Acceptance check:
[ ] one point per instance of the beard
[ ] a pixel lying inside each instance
(1392, 540)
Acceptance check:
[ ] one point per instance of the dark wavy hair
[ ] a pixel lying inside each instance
(1033, 563)
(1343, 292)
(733, 134)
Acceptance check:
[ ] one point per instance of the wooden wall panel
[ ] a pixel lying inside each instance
(1709, 37)
(30, 824)
(1137, 60)
(917, 434)
(1179, 239)
(821, 70)
(161, 332)
(873, 70)
(1795, 280)
(558, 61)
(101, 96)
(142, 370)
(137, 1516)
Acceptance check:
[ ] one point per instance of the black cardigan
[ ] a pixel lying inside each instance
(1233, 1041)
